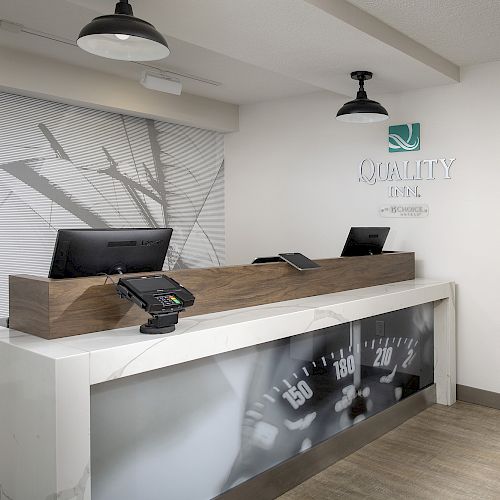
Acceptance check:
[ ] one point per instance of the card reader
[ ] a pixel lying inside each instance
(158, 295)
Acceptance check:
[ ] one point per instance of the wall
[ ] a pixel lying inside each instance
(292, 185)
(29, 74)
(64, 166)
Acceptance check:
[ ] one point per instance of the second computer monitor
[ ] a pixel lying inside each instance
(365, 241)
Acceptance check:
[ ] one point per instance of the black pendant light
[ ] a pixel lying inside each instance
(122, 36)
(362, 109)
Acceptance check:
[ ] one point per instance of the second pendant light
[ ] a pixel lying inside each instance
(362, 109)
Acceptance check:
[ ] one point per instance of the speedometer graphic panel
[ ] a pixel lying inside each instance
(224, 419)
(305, 389)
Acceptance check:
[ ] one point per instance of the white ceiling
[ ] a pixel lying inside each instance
(239, 82)
(463, 31)
(256, 49)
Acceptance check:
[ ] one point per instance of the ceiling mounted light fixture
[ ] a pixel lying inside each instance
(123, 36)
(362, 109)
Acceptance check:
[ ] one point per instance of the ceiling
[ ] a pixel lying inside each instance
(255, 50)
(463, 31)
(238, 82)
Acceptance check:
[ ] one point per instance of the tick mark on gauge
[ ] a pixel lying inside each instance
(416, 342)
(314, 364)
(332, 355)
(380, 341)
(399, 341)
(286, 383)
(304, 369)
(269, 398)
(393, 339)
(406, 340)
(295, 375)
(324, 361)
(258, 405)
(409, 345)
(276, 389)
(350, 348)
(341, 353)
(373, 343)
(254, 414)
(386, 341)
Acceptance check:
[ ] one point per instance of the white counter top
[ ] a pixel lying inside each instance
(45, 385)
(122, 352)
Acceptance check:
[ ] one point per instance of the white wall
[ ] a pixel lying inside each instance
(292, 185)
(35, 76)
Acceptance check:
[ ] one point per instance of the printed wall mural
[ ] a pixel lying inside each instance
(69, 167)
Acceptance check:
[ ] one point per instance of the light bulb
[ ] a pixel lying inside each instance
(122, 37)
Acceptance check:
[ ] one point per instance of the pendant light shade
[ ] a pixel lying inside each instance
(122, 36)
(362, 109)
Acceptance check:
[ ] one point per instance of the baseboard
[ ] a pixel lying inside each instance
(478, 396)
(276, 481)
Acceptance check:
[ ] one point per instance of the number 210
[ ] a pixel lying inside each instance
(384, 355)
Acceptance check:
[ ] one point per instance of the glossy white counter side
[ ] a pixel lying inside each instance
(45, 385)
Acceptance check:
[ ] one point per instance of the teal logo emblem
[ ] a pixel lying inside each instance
(404, 137)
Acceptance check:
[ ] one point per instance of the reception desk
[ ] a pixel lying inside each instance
(242, 403)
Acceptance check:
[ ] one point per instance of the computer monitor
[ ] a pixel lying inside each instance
(365, 241)
(90, 252)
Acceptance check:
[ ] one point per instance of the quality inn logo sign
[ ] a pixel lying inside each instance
(402, 176)
(404, 137)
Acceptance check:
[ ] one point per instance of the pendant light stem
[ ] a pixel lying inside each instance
(124, 8)
(361, 92)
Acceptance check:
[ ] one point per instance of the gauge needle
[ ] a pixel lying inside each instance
(302, 423)
(387, 379)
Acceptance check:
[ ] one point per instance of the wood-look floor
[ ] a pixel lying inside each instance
(442, 453)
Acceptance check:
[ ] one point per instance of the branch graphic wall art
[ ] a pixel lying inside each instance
(64, 166)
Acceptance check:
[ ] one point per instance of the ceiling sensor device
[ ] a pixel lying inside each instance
(160, 296)
(161, 83)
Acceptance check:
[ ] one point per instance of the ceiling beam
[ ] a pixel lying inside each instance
(361, 20)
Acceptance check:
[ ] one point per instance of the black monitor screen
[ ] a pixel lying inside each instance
(90, 252)
(365, 241)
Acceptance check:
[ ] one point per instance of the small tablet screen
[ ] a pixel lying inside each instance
(299, 261)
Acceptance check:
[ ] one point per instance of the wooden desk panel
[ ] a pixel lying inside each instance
(60, 308)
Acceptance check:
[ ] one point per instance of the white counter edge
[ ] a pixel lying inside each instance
(122, 352)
